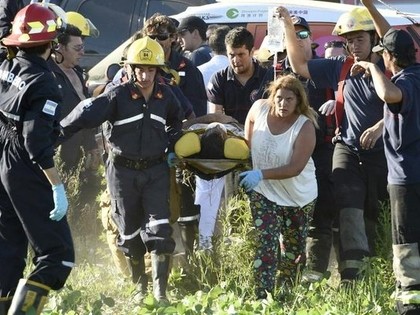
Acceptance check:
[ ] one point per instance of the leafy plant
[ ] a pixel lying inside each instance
(221, 281)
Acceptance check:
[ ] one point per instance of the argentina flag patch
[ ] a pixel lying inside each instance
(49, 107)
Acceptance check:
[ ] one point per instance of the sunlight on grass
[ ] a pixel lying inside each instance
(221, 282)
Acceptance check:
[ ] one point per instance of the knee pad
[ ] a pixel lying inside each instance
(352, 230)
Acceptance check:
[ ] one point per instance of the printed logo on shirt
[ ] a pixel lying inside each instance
(12, 79)
(253, 95)
(49, 107)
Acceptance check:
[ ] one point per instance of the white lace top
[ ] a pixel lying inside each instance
(269, 151)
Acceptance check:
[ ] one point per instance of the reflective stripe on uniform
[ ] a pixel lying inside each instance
(158, 118)
(189, 218)
(157, 222)
(68, 264)
(408, 297)
(11, 116)
(128, 120)
(131, 236)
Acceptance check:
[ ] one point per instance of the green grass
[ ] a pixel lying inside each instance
(220, 282)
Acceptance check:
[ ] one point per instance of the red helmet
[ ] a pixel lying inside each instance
(34, 25)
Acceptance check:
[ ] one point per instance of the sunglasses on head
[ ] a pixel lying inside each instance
(303, 34)
(160, 37)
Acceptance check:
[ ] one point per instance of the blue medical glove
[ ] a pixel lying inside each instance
(250, 179)
(60, 202)
(171, 159)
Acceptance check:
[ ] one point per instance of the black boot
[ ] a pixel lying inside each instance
(188, 235)
(30, 298)
(318, 247)
(5, 304)
(138, 274)
(160, 274)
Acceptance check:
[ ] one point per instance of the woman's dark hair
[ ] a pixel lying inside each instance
(212, 143)
(71, 30)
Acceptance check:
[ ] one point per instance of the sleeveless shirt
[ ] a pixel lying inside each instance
(270, 151)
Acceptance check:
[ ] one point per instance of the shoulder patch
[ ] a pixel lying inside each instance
(49, 107)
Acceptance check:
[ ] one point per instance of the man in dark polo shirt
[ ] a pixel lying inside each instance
(233, 90)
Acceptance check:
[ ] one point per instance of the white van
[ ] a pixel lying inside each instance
(321, 16)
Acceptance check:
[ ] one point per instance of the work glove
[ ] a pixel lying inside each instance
(250, 179)
(60, 202)
(171, 159)
(328, 108)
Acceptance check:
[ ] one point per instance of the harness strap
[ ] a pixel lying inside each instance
(339, 101)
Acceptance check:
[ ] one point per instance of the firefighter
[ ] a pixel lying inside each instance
(359, 167)
(143, 121)
(33, 201)
(85, 25)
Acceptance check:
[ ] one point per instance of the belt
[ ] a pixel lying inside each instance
(138, 164)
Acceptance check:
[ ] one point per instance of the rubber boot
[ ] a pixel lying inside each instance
(30, 298)
(160, 275)
(188, 235)
(5, 304)
(139, 276)
(318, 250)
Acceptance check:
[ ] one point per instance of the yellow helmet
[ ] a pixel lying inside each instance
(87, 28)
(357, 19)
(145, 51)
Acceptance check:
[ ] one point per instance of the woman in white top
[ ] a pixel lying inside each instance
(282, 186)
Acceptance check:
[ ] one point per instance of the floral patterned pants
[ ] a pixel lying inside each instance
(279, 228)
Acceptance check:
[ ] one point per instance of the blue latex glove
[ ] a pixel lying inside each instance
(171, 159)
(250, 179)
(60, 202)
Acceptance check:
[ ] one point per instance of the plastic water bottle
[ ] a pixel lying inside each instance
(275, 31)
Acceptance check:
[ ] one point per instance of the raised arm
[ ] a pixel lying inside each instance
(294, 51)
(386, 90)
(381, 24)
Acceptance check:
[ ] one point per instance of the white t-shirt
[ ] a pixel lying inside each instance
(216, 63)
(270, 151)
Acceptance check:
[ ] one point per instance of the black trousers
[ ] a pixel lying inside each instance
(26, 199)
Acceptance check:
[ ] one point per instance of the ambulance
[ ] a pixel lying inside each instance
(253, 15)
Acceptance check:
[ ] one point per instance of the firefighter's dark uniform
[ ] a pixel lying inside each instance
(29, 111)
(191, 82)
(138, 134)
(192, 85)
